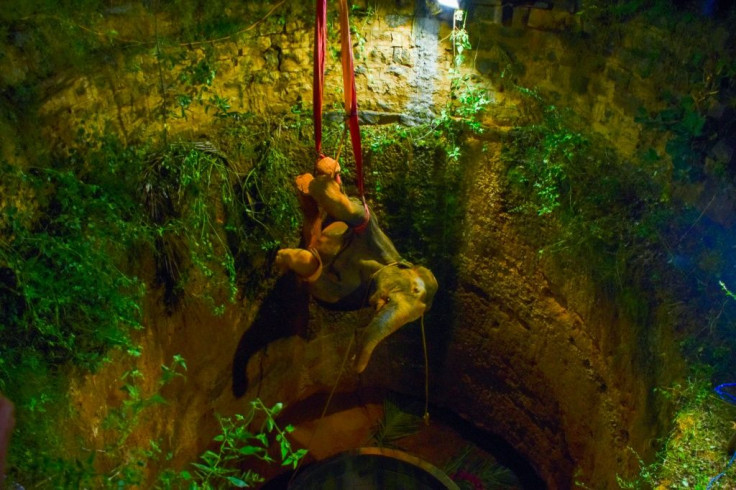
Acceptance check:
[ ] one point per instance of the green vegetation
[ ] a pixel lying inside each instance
(78, 223)
(696, 454)
(394, 425)
(469, 469)
(69, 291)
(628, 223)
(125, 463)
(594, 209)
(468, 99)
(65, 227)
(236, 442)
(695, 451)
(543, 153)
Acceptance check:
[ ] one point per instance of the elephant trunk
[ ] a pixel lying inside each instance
(370, 342)
(390, 317)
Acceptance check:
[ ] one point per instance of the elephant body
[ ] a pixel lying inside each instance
(351, 263)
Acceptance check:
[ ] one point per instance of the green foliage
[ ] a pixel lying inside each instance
(395, 424)
(590, 208)
(413, 165)
(68, 291)
(728, 292)
(41, 454)
(694, 452)
(131, 464)
(66, 231)
(468, 100)
(469, 467)
(125, 419)
(130, 461)
(542, 155)
(236, 443)
(684, 121)
(186, 191)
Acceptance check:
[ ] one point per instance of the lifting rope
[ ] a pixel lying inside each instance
(349, 91)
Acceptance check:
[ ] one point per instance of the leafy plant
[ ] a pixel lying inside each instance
(468, 99)
(130, 461)
(235, 443)
(64, 287)
(728, 292)
(186, 191)
(47, 460)
(547, 152)
(470, 471)
(395, 424)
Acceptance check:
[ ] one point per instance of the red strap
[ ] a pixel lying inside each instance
(348, 77)
(351, 99)
(318, 82)
(364, 225)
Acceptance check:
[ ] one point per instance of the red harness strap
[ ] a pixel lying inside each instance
(351, 99)
(349, 91)
(318, 81)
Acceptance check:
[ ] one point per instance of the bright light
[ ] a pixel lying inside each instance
(449, 3)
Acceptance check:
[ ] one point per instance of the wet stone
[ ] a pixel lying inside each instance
(397, 20)
(402, 56)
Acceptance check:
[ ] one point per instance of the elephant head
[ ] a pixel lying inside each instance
(403, 293)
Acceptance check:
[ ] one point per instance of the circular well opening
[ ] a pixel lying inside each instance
(372, 468)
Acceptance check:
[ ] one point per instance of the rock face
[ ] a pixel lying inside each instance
(527, 351)
(533, 362)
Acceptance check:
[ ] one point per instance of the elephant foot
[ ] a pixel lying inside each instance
(302, 183)
(305, 263)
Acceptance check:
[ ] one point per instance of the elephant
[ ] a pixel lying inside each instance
(350, 263)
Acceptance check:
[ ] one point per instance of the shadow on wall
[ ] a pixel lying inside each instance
(284, 312)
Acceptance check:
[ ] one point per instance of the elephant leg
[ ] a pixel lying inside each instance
(305, 263)
(312, 224)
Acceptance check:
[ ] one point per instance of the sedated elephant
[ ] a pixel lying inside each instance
(351, 263)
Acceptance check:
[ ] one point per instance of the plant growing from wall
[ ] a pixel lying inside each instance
(187, 191)
(134, 466)
(236, 442)
(468, 99)
(543, 153)
(68, 296)
(65, 286)
(48, 460)
(589, 207)
(695, 451)
(69, 228)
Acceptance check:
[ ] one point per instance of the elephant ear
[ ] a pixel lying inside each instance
(430, 283)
